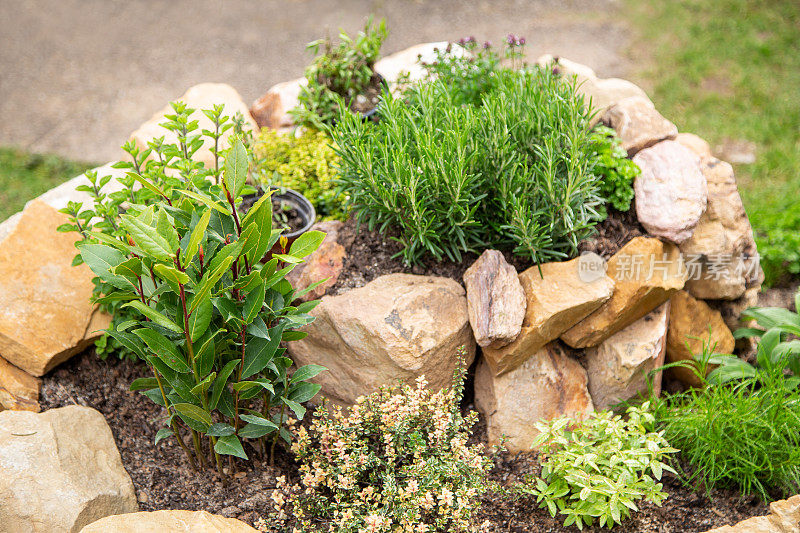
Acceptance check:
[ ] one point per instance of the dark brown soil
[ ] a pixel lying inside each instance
(164, 480)
(613, 233)
(285, 215)
(371, 254)
(369, 99)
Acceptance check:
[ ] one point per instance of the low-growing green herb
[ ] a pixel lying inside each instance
(739, 434)
(599, 468)
(616, 171)
(340, 72)
(305, 164)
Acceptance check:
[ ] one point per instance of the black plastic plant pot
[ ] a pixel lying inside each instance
(294, 199)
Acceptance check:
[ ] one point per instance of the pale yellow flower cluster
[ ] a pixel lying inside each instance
(398, 462)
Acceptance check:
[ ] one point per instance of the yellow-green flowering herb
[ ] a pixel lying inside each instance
(305, 164)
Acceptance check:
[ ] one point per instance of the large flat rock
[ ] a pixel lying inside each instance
(547, 385)
(59, 471)
(397, 327)
(45, 313)
(168, 522)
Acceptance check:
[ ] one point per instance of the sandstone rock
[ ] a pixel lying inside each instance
(168, 522)
(325, 263)
(694, 143)
(689, 317)
(398, 326)
(646, 272)
(619, 366)
(638, 124)
(600, 93)
(407, 61)
(59, 471)
(495, 300)
(721, 254)
(272, 109)
(45, 313)
(557, 300)
(671, 192)
(19, 391)
(547, 385)
(784, 517)
(199, 97)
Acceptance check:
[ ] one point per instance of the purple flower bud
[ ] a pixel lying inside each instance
(487, 45)
(521, 41)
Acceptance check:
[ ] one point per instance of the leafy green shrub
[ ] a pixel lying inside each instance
(473, 73)
(174, 168)
(202, 311)
(743, 434)
(339, 72)
(515, 172)
(599, 468)
(779, 246)
(305, 164)
(399, 461)
(616, 171)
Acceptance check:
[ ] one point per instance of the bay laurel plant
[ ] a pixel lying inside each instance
(599, 468)
(515, 172)
(202, 311)
(399, 460)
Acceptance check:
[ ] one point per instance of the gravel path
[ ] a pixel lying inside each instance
(77, 76)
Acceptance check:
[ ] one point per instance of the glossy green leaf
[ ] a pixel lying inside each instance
(253, 303)
(222, 381)
(155, 316)
(147, 238)
(200, 318)
(196, 238)
(220, 429)
(206, 284)
(306, 243)
(195, 417)
(236, 165)
(205, 200)
(230, 445)
(102, 260)
(304, 373)
(259, 352)
(172, 274)
(164, 349)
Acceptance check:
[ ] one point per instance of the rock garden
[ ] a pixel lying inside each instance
(450, 289)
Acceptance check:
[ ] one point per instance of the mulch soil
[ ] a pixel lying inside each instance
(164, 480)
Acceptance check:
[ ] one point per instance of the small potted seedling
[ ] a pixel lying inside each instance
(342, 72)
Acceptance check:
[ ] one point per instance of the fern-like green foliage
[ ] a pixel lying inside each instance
(515, 172)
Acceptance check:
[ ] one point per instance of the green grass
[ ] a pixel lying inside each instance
(730, 69)
(24, 176)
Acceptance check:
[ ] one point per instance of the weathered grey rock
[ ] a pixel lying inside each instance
(495, 300)
(557, 299)
(324, 263)
(691, 324)
(547, 385)
(618, 368)
(671, 192)
(272, 109)
(19, 391)
(721, 254)
(59, 471)
(45, 313)
(646, 272)
(168, 522)
(783, 517)
(638, 124)
(199, 97)
(398, 326)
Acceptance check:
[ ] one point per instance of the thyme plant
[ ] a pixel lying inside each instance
(200, 309)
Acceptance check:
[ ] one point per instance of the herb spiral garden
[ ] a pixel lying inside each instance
(445, 290)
